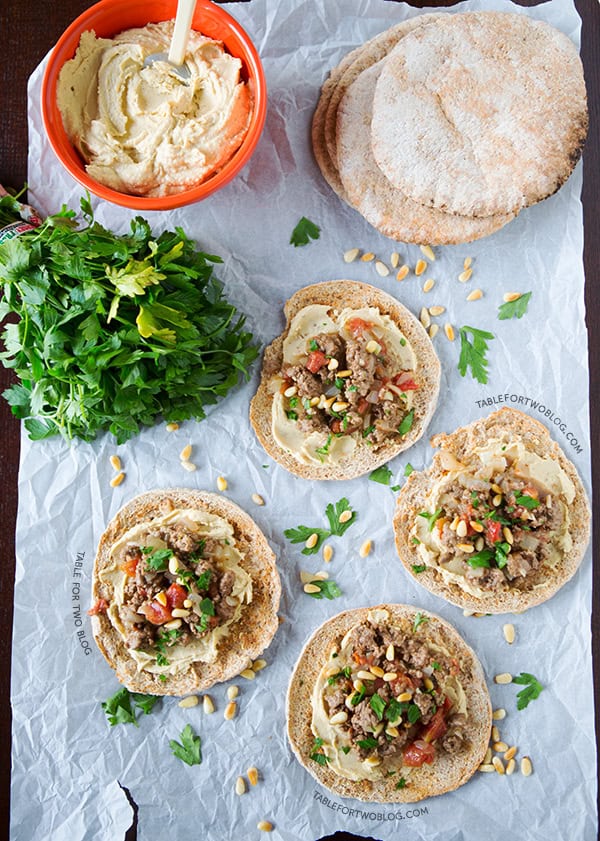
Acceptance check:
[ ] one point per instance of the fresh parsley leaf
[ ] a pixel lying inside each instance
(401, 783)
(435, 666)
(472, 354)
(203, 580)
(301, 534)
(322, 451)
(157, 559)
(407, 423)
(514, 309)
(526, 501)
(333, 514)
(189, 748)
(317, 752)
(358, 697)
(417, 568)
(368, 743)
(377, 705)
(501, 551)
(327, 590)
(368, 431)
(118, 708)
(345, 749)
(207, 606)
(344, 673)
(480, 559)
(408, 469)
(431, 518)
(313, 345)
(293, 416)
(419, 620)
(393, 710)
(145, 702)
(304, 231)
(381, 474)
(413, 713)
(533, 689)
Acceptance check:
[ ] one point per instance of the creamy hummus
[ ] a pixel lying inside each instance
(319, 447)
(201, 524)
(144, 130)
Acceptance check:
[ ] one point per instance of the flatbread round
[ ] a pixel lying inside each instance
(480, 113)
(246, 638)
(448, 771)
(457, 454)
(368, 190)
(339, 294)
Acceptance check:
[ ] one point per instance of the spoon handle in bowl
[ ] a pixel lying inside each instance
(181, 32)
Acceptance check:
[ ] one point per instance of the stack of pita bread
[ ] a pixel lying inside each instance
(442, 128)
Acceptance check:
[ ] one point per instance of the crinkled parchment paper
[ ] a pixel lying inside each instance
(68, 763)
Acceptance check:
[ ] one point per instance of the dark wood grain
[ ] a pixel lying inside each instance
(28, 34)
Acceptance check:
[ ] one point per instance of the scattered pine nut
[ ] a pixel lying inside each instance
(511, 296)
(486, 769)
(427, 251)
(526, 766)
(394, 259)
(390, 652)
(366, 258)
(257, 499)
(449, 331)
(208, 705)
(117, 480)
(461, 529)
(291, 391)
(190, 701)
(232, 692)
(500, 747)
(189, 466)
(249, 674)
(259, 665)
(172, 427)
(115, 463)
(402, 272)
(265, 826)
(437, 310)
(488, 757)
(311, 541)
(230, 711)
(373, 347)
(425, 318)
(510, 753)
(467, 262)
(495, 734)
(475, 295)
(222, 483)
(434, 330)
(428, 285)
(240, 786)
(365, 549)
(252, 773)
(345, 516)
(381, 268)
(327, 554)
(351, 255)
(420, 267)
(320, 576)
(185, 454)
(509, 633)
(466, 275)
(498, 764)
(311, 588)
(499, 714)
(510, 766)
(306, 576)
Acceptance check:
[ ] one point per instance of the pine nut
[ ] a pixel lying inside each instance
(264, 826)
(509, 633)
(339, 718)
(428, 683)
(161, 598)
(366, 258)
(468, 612)
(497, 500)
(427, 251)
(311, 588)
(510, 753)
(173, 625)
(208, 705)
(390, 652)
(526, 766)
(185, 453)
(344, 374)
(311, 542)
(365, 549)
(372, 761)
(392, 731)
(505, 677)
(172, 427)
(249, 674)
(467, 262)
(187, 703)
(509, 297)
(486, 769)
(327, 554)
(252, 773)
(499, 714)
(373, 347)
(259, 665)
(340, 406)
(321, 575)
(424, 317)
(500, 747)
(240, 786)
(188, 603)
(189, 466)
(466, 275)
(230, 711)
(402, 272)
(257, 499)
(487, 759)
(351, 255)
(461, 529)
(291, 391)
(117, 480)
(345, 516)
(173, 566)
(498, 764)
(221, 483)
(116, 463)
(404, 696)
(232, 692)
(420, 267)
(364, 675)
(510, 766)
(454, 524)
(306, 576)
(377, 671)
(479, 544)
(476, 526)
(381, 268)
(475, 295)
(495, 734)
(180, 613)
(428, 285)
(449, 331)
(394, 259)
(437, 310)
(390, 676)
(508, 535)
(434, 330)
(333, 364)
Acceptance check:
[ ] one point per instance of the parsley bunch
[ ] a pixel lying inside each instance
(114, 331)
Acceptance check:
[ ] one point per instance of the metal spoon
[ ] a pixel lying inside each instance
(181, 33)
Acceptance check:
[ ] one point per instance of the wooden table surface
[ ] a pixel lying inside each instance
(29, 32)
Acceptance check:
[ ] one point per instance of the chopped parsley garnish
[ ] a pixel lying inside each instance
(480, 559)
(344, 673)
(501, 551)
(393, 710)
(514, 309)
(368, 431)
(327, 590)
(203, 580)
(413, 713)
(472, 354)
(119, 709)
(293, 416)
(377, 705)
(416, 541)
(401, 783)
(313, 345)
(431, 518)
(417, 568)
(304, 231)
(293, 401)
(189, 748)
(352, 388)
(322, 451)
(435, 666)
(339, 383)
(408, 469)
(165, 639)
(156, 559)
(475, 499)
(317, 752)
(419, 620)
(526, 501)
(407, 423)
(357, 697)
(368, 743)
(345, 749)
(381, 474)
(532, 690)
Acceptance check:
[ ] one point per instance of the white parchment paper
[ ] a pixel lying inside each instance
(69, 766)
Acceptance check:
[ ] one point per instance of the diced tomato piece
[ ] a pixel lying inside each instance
(176, 595)
(363, 406)
(529, 490)
(402, 683)
(405, 382)
(362, 659)
(493, 531)
(130, 566)
(436, 727)
(156, 613)
(316, 360)
(101, 606)
(417, 753)
(357, 326)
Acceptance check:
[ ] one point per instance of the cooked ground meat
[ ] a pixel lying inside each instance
(426, 705)
(331, 344)
(362, 365)
(140, 636)
(308, 385)
(364, 720)
(179, 539)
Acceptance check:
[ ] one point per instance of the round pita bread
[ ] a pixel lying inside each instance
(246, 639)
(339, 294)
(541, 583)
(368, 190)
(480, 113)
(447, 772)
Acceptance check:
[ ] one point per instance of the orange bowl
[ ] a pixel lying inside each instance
(109, 17)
